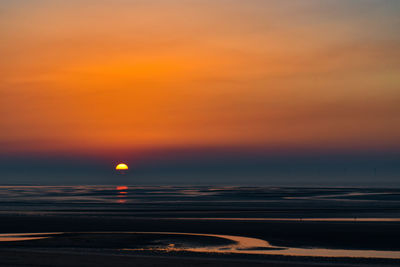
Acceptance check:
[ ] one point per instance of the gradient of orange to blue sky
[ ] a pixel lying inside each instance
(98, 76)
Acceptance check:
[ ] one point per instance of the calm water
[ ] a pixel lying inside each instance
(203, 202)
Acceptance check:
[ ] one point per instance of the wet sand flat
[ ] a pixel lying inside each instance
(341, 235)
(93, 222)
(77, 247)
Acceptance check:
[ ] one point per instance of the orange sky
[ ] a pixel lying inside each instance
(78, 75)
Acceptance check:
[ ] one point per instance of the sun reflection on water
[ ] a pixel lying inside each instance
(121, 193)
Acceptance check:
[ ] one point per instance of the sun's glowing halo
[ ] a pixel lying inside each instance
(121, 167)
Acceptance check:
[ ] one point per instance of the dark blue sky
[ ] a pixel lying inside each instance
(210, 166)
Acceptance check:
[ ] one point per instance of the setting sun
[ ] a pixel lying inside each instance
(121, 166)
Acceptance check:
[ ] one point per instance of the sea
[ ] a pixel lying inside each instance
(205, 202)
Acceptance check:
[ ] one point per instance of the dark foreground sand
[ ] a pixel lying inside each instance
(85, 258)
(29, 258)
(83, 250)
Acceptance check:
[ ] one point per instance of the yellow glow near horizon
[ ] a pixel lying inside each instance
(121, 166)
